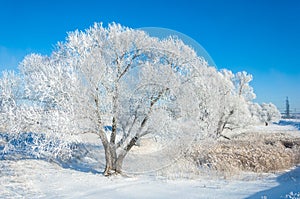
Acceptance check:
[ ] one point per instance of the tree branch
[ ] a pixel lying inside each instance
(127, 67)
(143, 123)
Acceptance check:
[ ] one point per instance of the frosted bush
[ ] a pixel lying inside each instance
(39, 146)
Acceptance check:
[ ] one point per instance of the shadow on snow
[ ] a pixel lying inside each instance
(289, 186)
(290, 123)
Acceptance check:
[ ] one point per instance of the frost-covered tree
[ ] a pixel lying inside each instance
(269, 113)
(224, 100)
(229, 100)
(241, 81)
(113, 78)
(9, 92)
(22, 121)
(264, 113)
(255, 110)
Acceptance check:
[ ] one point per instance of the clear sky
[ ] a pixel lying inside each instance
(259, 36)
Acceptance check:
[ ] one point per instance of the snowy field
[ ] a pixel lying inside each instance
(31, 178)
(40, 179)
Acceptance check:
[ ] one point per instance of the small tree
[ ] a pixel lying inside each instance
(224, 100)
(269, 113)
(264, 113)
(255, 110)
(234, 96)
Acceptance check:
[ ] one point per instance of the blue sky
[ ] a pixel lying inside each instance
(259, 36)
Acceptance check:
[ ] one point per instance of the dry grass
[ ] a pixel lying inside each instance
(250, 152)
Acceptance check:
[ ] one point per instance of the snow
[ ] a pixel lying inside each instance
(32, 178)
(290, 127)
(40, 179)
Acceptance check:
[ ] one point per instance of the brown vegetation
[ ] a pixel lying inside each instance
(250, 152)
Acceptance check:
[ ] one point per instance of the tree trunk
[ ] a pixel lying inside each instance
(222, 123)
(119, 162)
(108, 161)
(122, 155)
(109, 153)
(112, 164)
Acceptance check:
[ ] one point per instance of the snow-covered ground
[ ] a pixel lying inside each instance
(32, 178)
(40, 179)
